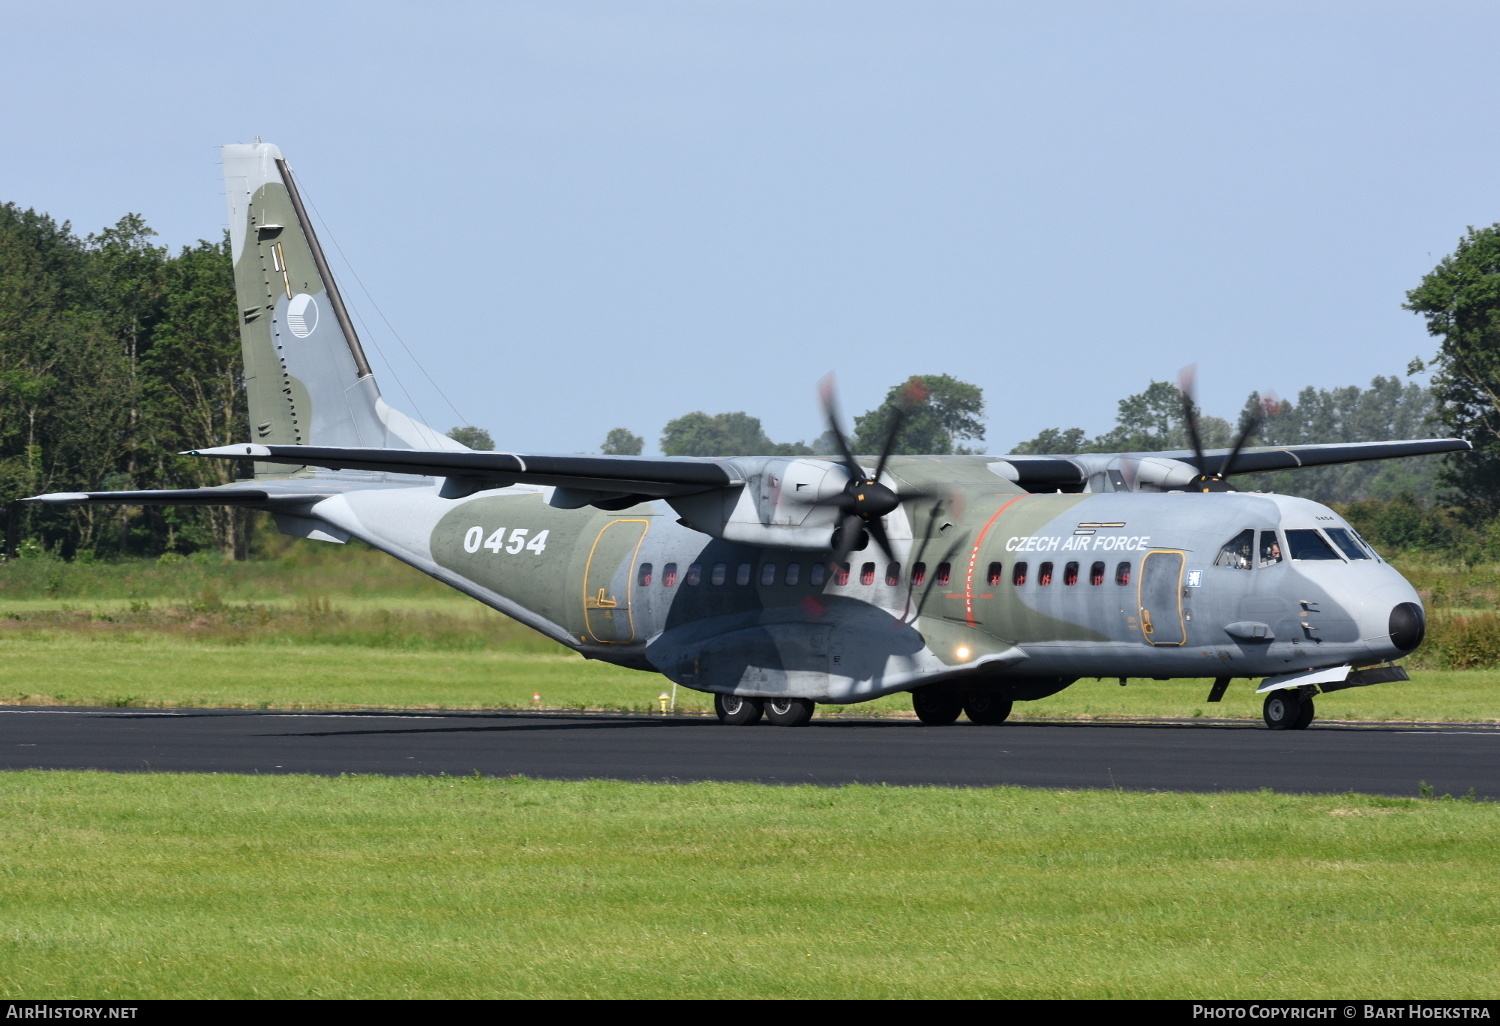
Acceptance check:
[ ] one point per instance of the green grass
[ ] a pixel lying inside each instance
(164, 886)
(147, 670)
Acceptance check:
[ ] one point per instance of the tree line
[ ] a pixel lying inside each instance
(116, 354)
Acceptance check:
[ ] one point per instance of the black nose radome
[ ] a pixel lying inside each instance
(1407, 626)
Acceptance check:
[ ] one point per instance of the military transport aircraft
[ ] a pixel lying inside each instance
(777, 583)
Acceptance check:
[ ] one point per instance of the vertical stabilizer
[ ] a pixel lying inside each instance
(306, 376)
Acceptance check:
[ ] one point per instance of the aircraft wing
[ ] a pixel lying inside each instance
(1288, 457)
(657, 478)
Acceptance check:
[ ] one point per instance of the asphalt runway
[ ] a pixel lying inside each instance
(1198, 756)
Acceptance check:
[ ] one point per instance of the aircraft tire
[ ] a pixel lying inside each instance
(790, 712)
(1305, 717)
(936, 707)
(986, 709)
(1283, 709)
(738, 711)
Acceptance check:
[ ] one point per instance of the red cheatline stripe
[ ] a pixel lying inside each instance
(974, 557)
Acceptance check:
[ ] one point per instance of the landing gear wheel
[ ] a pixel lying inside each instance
(936, 708)
(789, 712)
(987, 710)
(1283, 709)
(736, 710)
(1305, 716)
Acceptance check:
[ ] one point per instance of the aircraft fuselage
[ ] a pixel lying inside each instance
(992, 585)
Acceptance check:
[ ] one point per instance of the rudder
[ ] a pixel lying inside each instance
(307, 380)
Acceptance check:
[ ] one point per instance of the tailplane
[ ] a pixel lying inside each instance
(306, 376)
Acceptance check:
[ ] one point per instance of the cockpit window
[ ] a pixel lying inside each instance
(1306, 544)
(1270, 549)
(1236, 551)
(1344, 539)
(1367, 546)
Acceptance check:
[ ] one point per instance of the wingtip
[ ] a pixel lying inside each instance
(58, 498)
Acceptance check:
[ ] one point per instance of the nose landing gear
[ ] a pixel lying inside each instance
(1288, 709)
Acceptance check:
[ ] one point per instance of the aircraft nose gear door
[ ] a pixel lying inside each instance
(1160, 598)
(608, 579)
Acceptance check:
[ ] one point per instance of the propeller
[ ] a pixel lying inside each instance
(1252, 423)
(865, 502)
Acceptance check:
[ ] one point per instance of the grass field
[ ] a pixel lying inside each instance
(142, 886)
(145, 670)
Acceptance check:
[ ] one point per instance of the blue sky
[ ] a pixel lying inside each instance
(587, 215)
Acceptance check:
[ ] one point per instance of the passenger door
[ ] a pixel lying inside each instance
(608, 579)
(1160, 598)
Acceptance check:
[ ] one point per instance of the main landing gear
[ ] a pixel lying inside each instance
(1288, 709)
(938, 707)
(738, 711)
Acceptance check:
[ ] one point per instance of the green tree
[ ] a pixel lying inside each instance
(622, 442)
(193, 394)
(723, 434)
(940, 410)
(1460, 301)
(475, 438)
(61, 378)
(1388, 409)
(1054, 442)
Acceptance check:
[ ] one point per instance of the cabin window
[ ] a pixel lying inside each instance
(1096, 573)
(742, 575)
(1122, 573)
(918, 574)
(1018, 574)
(768, 574)
(1270, 549)
(694, 575)
(867, 574)
(793, 573)
(720, 571)
(1044, 574)
(643, 576)
(893, 574)
(1344, 539)
(1070, 574)
(1236, 551)
(1306, 544)
(817, 575)
(993, 577)
(944, 571)
(841, 574)
(669, 576)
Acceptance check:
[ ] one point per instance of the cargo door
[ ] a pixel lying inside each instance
(1160, 598)
(608, 579)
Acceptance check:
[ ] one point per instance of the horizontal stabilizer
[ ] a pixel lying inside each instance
(184, 497)
(656, 478)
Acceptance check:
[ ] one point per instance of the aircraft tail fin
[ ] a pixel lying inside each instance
(306, 376)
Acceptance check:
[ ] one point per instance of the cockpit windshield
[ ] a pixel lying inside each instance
(1236, 551)
(1308, 544)
(1345, 540)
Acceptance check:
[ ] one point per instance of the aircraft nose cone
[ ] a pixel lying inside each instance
(1408, 625)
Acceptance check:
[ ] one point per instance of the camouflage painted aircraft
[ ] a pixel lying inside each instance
(777, 583)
